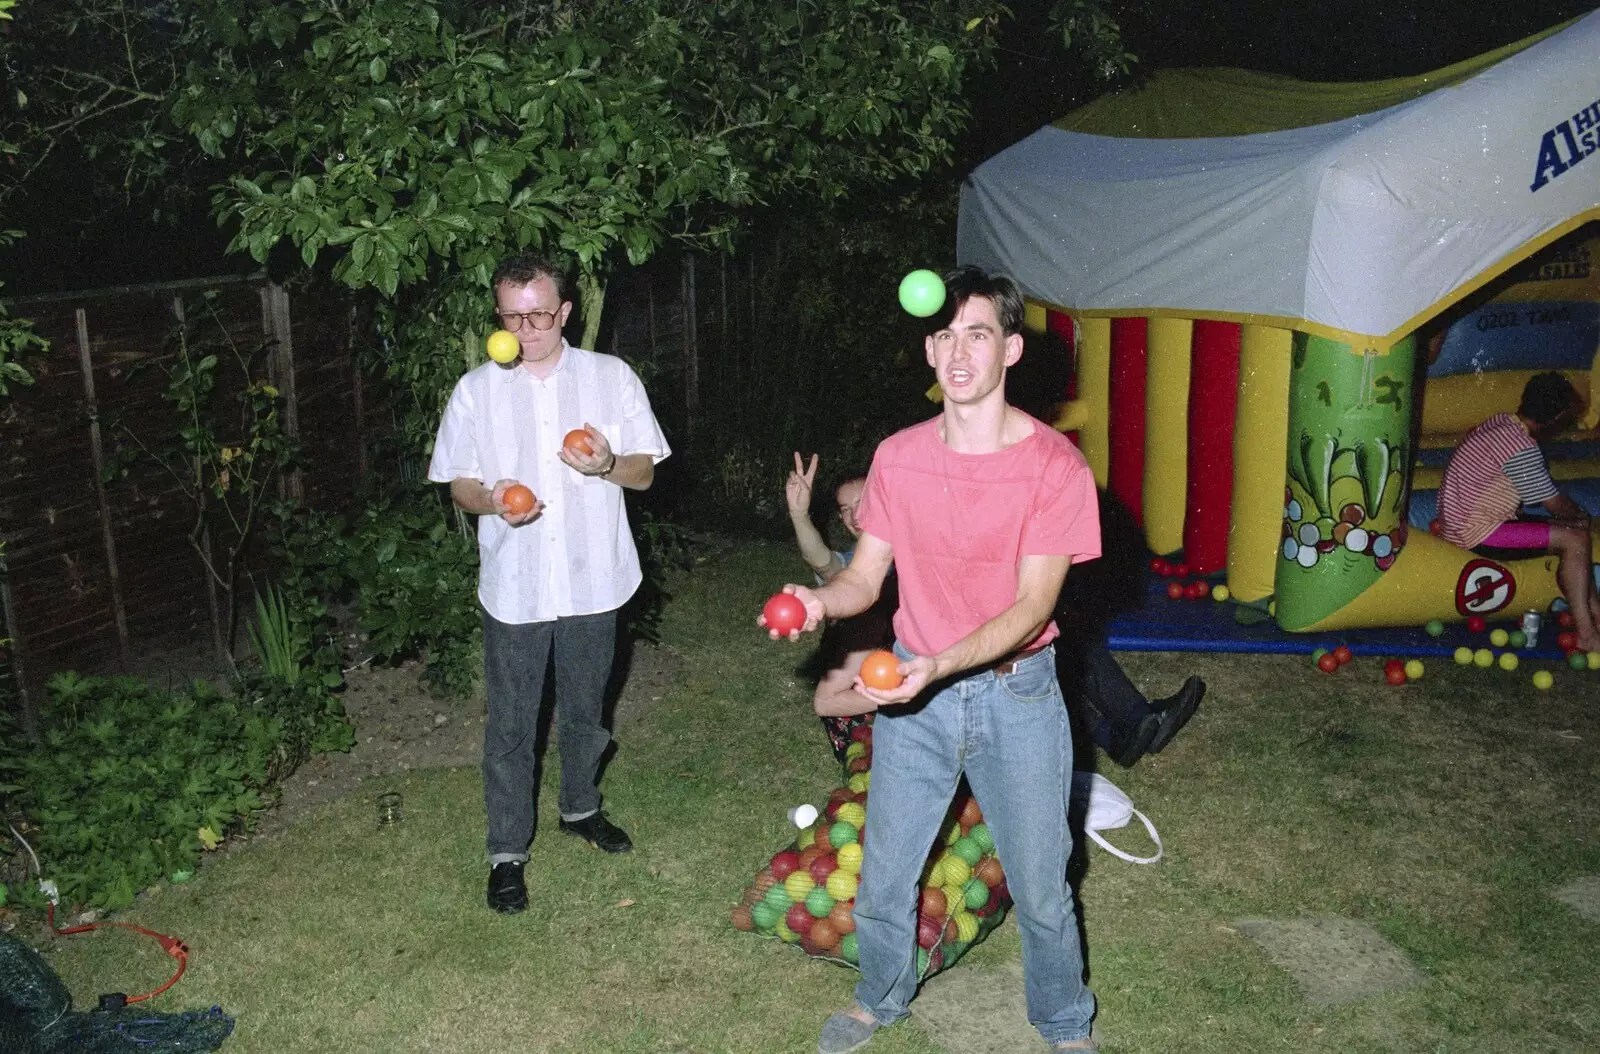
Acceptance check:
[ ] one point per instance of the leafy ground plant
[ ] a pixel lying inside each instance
(1442, 814)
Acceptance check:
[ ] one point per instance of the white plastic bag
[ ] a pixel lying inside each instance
(1108, 809)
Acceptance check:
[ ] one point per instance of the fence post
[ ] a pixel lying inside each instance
(97, 452)
(276, 328)
(691, 350)
(12, 633)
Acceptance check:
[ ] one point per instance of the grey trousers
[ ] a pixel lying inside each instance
(515, 659)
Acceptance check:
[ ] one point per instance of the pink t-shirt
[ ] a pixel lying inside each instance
(959, 525)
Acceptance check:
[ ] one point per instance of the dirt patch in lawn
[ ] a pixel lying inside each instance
(400, 726)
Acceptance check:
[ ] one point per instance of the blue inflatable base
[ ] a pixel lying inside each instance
(1164, 624)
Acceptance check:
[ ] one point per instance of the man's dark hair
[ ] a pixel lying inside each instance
(1546, 397)
(966, 282)
(530, 267)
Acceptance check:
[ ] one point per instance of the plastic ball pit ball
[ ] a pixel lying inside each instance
(881, 670)
(503, 346)
(1414, 669)
(578, 440)
(1592, 660)
(1174, 590)
(921, 293)
(517, 499)
(1543, 680)
(1343, 654)
(1316, 656)
(1220, 594)
(1483, 658)
(1508, 661)
(1395, 672)
(1578, 660)
(1518, 638)
(784, 613)
(1567, 640)
(1475, 624)
(1435, 628)
(1328, 664)
(1499, 638)
(1463, 656)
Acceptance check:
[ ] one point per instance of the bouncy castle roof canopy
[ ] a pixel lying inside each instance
(1357, 211)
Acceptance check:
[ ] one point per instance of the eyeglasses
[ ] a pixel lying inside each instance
(540, 320)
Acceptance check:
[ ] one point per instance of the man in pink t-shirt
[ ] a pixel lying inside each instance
(1498, 469)
(980, 511)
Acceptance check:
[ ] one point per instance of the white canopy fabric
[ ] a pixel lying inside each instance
(1359, 229)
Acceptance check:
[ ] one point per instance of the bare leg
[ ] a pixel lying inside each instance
(1576, 578)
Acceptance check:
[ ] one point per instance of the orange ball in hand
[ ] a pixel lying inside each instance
(517, 499)
(881, 670)
(578, 439)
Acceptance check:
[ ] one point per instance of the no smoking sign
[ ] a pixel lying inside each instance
(1484, 588)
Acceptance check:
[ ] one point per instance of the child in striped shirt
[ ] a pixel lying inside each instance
(1499, 470)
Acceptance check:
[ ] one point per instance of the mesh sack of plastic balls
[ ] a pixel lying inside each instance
(805, 895)
(36, 1016)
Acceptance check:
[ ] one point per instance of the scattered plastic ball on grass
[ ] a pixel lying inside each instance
(1483, 658)
(1414, 669)
(921, 293)
(1508, 660)
(1394, 671)
(1328, 664)
(1499, 638)
(1317, 655)
(1578, 660)
(1543, 680)
(1463, 656)
(1476, 624)
(1519, 639)
(1343, 654)
(1435, 628)
(1220, 593)
(1592, 660)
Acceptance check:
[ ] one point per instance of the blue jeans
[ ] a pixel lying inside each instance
(515, 660)
(1010, 734)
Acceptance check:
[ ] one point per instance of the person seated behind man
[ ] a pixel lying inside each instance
(1122, 722)
(1498, 471)
(846, 642)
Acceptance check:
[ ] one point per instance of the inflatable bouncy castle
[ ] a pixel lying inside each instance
(1286, 302)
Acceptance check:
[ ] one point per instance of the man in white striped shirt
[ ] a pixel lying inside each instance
(1498, 469)
(551, 578)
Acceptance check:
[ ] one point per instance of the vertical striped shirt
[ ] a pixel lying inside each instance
(1497, 469)
(578, 558)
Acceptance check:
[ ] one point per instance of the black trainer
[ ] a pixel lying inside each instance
(508, 893)
(600, 833)
(1176, 710)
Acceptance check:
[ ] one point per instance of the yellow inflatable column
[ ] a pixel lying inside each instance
(1260, 450)
(1094, 390)
(1166, 457)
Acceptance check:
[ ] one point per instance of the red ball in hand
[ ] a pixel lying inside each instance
(784, 613)
(881, 670)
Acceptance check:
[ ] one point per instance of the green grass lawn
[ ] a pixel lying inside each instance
(1442, 814)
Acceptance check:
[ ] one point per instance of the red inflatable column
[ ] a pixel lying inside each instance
(1125, 464)
(1061, 325)
(1213, 400)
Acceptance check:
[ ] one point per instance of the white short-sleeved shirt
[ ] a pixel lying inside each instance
(578, 558)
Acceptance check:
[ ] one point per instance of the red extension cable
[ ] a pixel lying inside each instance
(171, 945)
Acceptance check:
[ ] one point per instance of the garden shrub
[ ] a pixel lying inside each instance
(132, 783)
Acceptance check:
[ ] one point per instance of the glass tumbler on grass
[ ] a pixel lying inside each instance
(389, 808)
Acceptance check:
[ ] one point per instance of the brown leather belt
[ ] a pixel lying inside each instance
(1008, 665)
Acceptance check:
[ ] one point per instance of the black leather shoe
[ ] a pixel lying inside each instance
(1176, 710)
(1137, 745)
(508, 893)
(600, 833)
